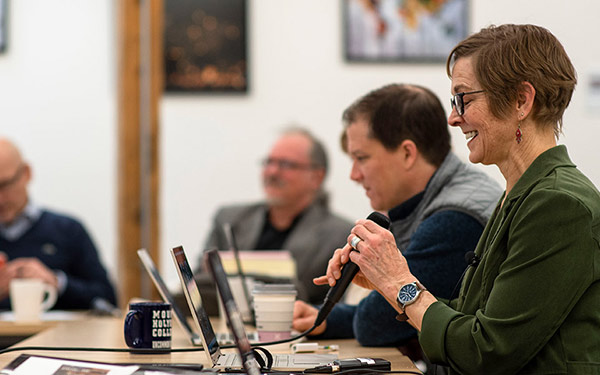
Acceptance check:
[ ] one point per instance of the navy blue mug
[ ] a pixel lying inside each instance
(148, 325)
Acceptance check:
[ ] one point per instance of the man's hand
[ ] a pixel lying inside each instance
(31, 268)
(5, 277)
(304, 318)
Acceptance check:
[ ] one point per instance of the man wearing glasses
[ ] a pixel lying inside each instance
(294, 215)
(40, 244)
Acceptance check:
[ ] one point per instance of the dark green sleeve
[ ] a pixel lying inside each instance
(549, 264)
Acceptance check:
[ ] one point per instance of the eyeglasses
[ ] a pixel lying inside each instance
(5, 184)
(285, 164)
(457, 101)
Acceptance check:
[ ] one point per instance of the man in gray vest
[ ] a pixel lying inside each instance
(398, 139)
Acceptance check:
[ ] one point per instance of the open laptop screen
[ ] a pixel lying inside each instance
(190, 288)
(166, 295)
(234, 317)
(240, 271)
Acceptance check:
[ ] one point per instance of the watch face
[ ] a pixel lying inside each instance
(407, 293)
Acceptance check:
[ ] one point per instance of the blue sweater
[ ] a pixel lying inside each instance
(436, 256)
(434, 229)
(62, 243)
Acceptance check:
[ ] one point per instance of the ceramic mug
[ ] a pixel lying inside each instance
(148, 325)
(30, 297)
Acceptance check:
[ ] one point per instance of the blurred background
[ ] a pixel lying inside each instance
(58, 101)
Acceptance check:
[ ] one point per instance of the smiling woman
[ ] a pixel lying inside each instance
(524, 97)
(530, 306)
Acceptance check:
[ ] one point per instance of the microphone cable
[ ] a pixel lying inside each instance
(366, 371)
(92, 349)
(293, 338)
(144, 351)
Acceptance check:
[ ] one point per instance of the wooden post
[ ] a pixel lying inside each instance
(139, 89)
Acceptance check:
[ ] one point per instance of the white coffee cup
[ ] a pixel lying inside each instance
(239, 296)
(274, 310)
(30, 297)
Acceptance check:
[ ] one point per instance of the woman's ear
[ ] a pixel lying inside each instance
(525, 99)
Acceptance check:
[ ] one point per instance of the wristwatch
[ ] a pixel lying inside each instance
(408, 294)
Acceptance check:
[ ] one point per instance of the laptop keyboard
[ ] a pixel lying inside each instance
(282, 360)
(226, 338)
(230, 360)
(233, 360)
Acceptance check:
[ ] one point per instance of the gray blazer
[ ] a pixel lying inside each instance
(311, 243)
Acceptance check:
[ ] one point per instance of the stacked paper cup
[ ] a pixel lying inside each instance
(274, 310)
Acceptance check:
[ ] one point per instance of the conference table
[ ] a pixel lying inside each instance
(107, 332)
(12, 332)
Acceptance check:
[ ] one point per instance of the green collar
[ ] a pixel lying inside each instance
(543, 165)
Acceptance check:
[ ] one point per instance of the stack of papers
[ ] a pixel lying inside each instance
(274, 263)
(27, 365)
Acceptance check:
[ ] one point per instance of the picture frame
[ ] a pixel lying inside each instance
(205, 48)
(403, 31)
(3, 25)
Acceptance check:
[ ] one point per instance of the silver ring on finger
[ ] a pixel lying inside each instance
(354, 242)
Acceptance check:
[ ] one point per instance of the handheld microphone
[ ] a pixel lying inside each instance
(349, 270)
(361, 364)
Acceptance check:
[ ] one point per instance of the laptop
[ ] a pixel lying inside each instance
(280, 361)
(225, 338)
(247, 300)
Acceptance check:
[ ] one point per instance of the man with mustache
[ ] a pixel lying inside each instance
(294, 216)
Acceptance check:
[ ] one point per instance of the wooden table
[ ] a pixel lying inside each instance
(108, 333)
(12, 332)
(26, 329)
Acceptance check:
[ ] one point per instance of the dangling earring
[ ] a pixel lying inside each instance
(518, 133)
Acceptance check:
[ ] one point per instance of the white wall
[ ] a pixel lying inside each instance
(58, 104)
(211, 145)
(57, 84)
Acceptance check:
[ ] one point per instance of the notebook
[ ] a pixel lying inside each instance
(280, 361)
(225, 338)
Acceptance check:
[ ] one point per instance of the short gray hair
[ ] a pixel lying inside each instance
(317, 153)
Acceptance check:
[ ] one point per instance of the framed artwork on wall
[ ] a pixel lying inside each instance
(3, 24)
(205, 46)
(403, 30)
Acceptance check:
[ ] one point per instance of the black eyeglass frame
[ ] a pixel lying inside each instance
(456, 101)
(288, 165)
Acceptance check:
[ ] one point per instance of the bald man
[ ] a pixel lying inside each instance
(39, 244)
